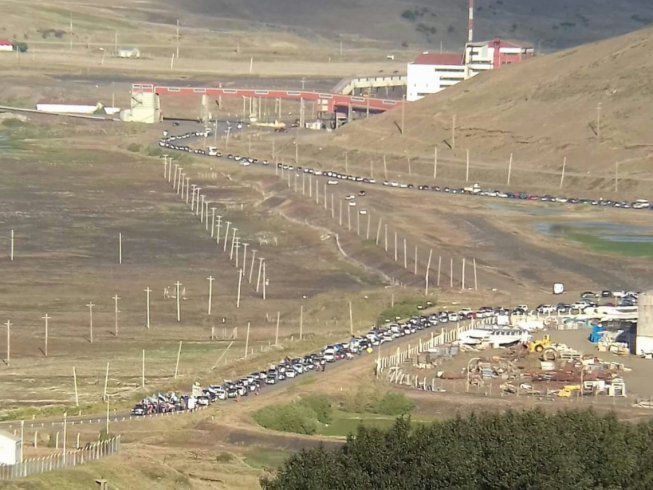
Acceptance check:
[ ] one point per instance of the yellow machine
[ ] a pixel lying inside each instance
(568, 390)
(541, 345)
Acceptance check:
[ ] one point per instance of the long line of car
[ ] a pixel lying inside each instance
(290, 368)
(173, 142)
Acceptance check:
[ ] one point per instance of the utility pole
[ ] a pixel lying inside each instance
(403, 116)
(177, 54)
(562, 176)
(90, 318)
(8, 325)
(46, 318)
(147, 307)
(509, 169)
(210, 279)
(115, 312)
(453, 132)
(177, 285)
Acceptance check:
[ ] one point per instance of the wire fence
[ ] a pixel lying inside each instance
(61, 460)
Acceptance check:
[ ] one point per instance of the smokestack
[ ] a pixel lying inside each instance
(471, 21)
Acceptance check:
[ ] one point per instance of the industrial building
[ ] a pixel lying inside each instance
(431, 73)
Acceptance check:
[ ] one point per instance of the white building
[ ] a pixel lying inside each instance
(492, 55)
(6, 45)
(432, 72)
(11, 449)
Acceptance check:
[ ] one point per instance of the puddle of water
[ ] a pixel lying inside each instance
(622, 239)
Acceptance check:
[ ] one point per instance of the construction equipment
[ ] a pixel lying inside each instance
(540, 345)
(568, 390)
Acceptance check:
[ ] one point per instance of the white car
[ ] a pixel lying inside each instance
(332, 182)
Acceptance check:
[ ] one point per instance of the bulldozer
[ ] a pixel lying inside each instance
(540, 345)
(545, 348)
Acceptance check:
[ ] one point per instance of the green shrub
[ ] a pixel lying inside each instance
(224, 457)
(293, 417)
(403, 309)
(134, 147)
(321, 405)
(394, 404)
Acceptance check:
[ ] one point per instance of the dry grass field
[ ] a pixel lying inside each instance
(69, 187)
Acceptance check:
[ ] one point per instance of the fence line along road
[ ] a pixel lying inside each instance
(444, 337)
(61, 460)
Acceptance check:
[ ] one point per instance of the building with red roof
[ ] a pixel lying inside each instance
(431, 73)
(6, 45)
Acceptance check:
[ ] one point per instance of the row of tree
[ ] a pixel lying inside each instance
(515, 450)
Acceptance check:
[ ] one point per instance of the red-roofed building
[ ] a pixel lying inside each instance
(431, 73)
(6, 45)
(492, 55)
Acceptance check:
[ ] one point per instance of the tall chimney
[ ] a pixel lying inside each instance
(471, 21)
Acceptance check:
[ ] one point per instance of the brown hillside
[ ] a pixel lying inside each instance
(541, 111)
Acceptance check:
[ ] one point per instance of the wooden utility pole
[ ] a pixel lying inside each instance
(178, 299)
(11, 249)
(509, 169)
(247, 340)
(45, 345)
(378, 230)
(115, 313)
(147, 307)
(178, 356)
(451, 273)
(415, 260)
(426, 275)
(463, 276)
(106, 383)
(301, 322)
(240, 281)
(75, 384)
(8, 325)
(439, 269)
(210, 279)
(385, 168)
(251, 266)
(435, 163)
(177, 51)
(90, 320)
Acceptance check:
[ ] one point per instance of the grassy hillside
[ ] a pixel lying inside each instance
(542, 111)
(552, 24)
